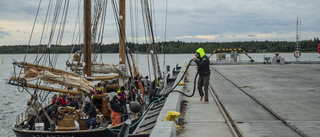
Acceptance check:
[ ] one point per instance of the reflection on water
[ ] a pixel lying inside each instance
(13, 102)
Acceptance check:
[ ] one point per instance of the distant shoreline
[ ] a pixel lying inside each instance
(168, 53)
(173, 47)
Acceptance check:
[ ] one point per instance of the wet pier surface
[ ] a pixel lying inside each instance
(254, 100)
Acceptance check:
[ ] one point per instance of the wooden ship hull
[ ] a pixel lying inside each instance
(100, 132)
(80, 133)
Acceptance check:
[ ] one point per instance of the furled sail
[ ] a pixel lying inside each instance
(53, 76)
(61, 79)
(100, 68)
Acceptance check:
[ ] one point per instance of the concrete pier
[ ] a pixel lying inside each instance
(261, 100)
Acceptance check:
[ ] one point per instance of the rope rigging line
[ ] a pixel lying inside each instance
(117, 20)
(148, 30)
(62, 23)
(44, 32)
(153, 37)
(99, 15)
(59, 14)
(165, 33)
(104, 16)
(144, 22)
(75, 36)
(53, 29)
(78, 38)
(61, 31)
(149, 22)
(54, 22)
(34, 23)
(152, 13)
(95, 22)
(132, 22)
(136, 21)
(56, 14)
(134, 26)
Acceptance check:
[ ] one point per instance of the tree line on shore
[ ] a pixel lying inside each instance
(172, 47)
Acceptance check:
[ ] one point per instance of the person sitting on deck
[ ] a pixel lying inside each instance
(51, 111)
(98, 89)
(93, 123)
(77, 56)
(90, 109)
(73, 102)
(115, 108)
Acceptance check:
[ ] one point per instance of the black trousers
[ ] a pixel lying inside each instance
(203, 81)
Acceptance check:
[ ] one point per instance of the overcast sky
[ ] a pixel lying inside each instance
(188, 20)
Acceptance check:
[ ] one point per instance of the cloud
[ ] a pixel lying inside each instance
(256, 36)
(246, 17)
(187, 20)
(4, 33)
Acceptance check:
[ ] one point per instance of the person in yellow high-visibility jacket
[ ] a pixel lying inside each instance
(98, 89)
(203, 63)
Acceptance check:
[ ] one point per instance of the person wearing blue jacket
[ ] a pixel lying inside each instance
(203, 63)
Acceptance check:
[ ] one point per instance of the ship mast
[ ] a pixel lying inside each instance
(122, 31)
(87, 37)
(122, 37)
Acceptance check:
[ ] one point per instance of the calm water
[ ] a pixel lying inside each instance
(13, 102)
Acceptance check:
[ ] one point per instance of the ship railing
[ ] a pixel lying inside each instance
(21, 117)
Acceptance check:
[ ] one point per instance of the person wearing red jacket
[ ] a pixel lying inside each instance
(63, 101)
(54, 98)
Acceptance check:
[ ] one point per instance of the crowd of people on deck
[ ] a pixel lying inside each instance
(117, 105)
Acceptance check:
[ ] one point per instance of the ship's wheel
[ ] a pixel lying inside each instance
(71, 111)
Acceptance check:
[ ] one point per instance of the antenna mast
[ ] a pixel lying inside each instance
(297, 53)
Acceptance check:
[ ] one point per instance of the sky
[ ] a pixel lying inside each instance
(187, 20)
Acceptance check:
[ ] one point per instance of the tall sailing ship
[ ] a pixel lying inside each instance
(41, 79)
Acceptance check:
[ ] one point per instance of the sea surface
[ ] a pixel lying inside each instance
(13, 102)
